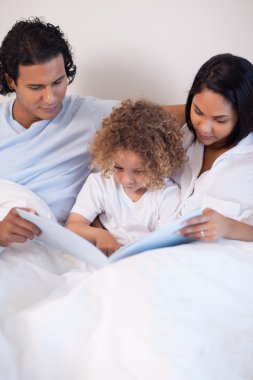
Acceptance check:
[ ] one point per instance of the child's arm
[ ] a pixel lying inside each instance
(215, 226)
(101, 238)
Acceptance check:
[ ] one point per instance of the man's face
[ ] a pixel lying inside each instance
(40, 91)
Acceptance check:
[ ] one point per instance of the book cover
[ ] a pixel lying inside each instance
(59, 237)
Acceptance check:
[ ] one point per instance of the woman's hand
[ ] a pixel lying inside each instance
(14, 229)
(210, 225)
(106, 242)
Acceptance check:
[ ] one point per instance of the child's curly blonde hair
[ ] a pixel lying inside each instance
(146, 129)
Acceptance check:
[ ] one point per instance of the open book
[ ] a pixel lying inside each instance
(67, 241)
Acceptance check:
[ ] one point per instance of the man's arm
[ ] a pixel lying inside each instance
(178, 111)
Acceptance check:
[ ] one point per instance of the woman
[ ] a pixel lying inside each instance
(219, 141)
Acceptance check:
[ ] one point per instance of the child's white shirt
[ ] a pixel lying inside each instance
(124, 219)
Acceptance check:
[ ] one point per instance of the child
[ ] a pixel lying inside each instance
(137, 148)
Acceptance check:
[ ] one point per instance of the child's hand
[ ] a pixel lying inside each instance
(106, 242)
(210, 225)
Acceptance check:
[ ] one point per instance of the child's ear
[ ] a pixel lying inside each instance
(10, 82)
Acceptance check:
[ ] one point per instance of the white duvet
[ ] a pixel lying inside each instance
(182, 313)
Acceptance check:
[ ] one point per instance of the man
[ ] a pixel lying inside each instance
(44, 135)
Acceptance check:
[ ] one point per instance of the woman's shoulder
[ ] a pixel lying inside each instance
(245, 146)
(178, 111)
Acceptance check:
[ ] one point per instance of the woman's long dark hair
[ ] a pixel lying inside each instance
(232, 77)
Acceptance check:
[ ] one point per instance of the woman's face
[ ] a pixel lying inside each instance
(213, 118)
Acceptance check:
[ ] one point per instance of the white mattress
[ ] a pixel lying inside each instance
(181, 313)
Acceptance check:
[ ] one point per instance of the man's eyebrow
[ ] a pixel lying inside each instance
(42, 84)
(61, 77)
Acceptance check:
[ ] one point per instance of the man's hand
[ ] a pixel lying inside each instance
(14, 229)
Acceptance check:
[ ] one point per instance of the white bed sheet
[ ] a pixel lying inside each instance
(181, 313)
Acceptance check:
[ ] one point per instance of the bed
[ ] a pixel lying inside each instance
(181, 313)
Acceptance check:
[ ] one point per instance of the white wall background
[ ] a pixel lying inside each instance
(137, 48)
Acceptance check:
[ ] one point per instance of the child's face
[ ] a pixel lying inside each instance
(128, 172)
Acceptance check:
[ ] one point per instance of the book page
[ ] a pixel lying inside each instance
(65, 240)
(163, 237)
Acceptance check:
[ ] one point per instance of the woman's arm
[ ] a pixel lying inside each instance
(100, 237)
(211, 226)
(178, 111)
(240, 231)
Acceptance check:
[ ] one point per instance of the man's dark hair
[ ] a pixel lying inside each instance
(232, 77)
(31, 42)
